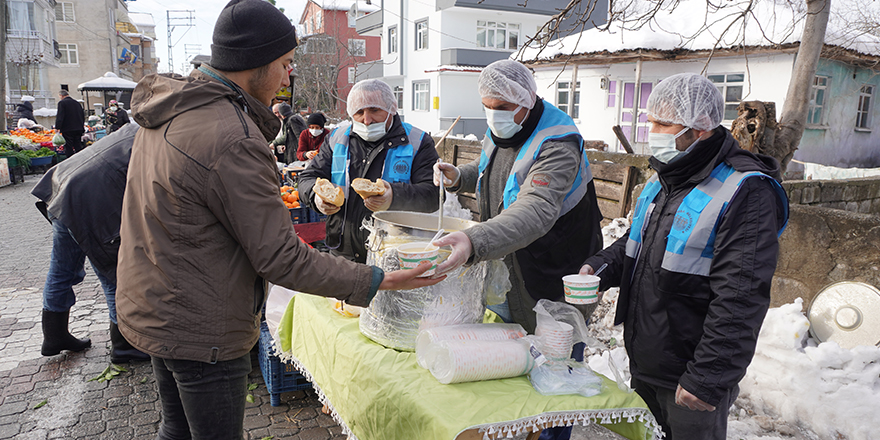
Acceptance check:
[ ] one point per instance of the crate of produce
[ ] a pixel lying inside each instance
(280, 377)
(299, 215)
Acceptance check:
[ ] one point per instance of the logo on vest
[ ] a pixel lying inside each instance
(683, 221)
(540, 179)
(401, 167)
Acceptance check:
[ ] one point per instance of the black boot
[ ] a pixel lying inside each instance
(121, 351)
(57, 338)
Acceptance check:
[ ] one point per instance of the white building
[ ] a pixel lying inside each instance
(433, 53)
(31, 50)
(840, 128)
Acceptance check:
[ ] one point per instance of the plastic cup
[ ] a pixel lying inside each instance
(581, 289)
(411, 254)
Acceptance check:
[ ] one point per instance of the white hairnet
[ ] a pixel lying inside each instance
(509, 81)
(371, 93)
(687, 99)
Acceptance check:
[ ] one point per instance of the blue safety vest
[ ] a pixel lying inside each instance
(554, 124)
(398, 160)
(690, 245)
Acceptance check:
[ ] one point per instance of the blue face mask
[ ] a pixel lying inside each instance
(663, 145)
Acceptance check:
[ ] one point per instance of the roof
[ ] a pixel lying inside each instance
(141, 19)
(110, 81)
(769, 23)
(345, 5)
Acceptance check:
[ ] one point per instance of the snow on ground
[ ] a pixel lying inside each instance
(795, 387)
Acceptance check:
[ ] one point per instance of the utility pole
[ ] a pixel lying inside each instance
(177, 18)
(3, 64)
(190, 51)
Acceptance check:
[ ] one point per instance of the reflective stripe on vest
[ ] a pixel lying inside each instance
(690, 245)
(554, 124)
(398, 160)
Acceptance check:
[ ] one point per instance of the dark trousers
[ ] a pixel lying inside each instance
(681, 423)
(202, 401)
(72, 142)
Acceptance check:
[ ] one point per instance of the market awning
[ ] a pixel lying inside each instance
(109, 82)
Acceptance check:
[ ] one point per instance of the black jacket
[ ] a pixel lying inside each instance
(692, 330)
(25, 110)
(117, 119)
(367, 161)
(85, 193)
(70, 117)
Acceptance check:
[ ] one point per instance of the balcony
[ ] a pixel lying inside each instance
(458, 56)
(370, 70)
(370, 25)
(29, 46)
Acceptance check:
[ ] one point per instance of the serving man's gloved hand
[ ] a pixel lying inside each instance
(461, 251)
(324, 207)
(380, 203)
(448, 172)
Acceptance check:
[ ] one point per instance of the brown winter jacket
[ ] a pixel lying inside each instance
(203, 224)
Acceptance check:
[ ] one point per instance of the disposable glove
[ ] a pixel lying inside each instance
(461, 251)
(447, 171)
(380, 203)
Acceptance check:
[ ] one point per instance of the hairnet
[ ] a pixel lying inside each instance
(509, 81)
(687, 99)
(371, 93)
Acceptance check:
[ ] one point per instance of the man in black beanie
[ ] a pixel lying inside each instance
(203, 226)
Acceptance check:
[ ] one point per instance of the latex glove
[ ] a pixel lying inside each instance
(448, 172)
(684, 398)
(380, 203)
(461, 251)
(408, 279)
(311, 154)
(324, 207)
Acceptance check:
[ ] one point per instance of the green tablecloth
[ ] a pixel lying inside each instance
(380, 393)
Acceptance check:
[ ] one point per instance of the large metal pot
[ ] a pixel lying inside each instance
(394, 318)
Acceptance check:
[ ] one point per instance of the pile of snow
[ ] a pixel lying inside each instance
(794, 387)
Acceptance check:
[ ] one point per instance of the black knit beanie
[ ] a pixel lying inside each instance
(250, 34)
(317, 119)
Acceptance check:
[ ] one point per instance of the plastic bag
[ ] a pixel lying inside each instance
(497, 283)
(480, 332)
(570, 377)
(58, 139)
(472, 360)
(550, 312)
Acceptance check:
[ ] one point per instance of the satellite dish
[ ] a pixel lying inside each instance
(847, 313)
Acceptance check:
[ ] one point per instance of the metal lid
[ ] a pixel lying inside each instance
(847, 313)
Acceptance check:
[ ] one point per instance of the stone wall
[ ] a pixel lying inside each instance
(823, 246)
(854, 195)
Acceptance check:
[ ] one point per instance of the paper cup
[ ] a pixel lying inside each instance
(411, 254)
(581, 289)
(557, 340)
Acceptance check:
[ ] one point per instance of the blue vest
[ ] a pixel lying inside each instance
(554, 124)
(398, 160)
(690, 245)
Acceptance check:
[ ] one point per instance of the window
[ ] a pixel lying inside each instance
(351, 75)
(817, 100)
(612, 94)
(731, 88)
(319, 45)
(64, 12)
(357, 48)
(392, 39)
(866, 101)
(398, 94)
(68, 54)
(421, 92)
(497, 34)
(563, 94)
(21, 16)
(422, 34)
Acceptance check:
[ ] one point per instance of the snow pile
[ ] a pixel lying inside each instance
(700, 25)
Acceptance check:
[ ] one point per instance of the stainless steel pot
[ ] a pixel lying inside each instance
(411, 224)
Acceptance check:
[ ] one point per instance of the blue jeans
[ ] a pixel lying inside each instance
(67, 269)
(502, 310)
(202, 401)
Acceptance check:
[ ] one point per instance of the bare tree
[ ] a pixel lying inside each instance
(727, 22)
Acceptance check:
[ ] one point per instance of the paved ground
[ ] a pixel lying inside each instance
(126, 407)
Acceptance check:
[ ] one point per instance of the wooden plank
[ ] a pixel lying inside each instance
(469, 201)
(626, 188)
(609, 208)
(608, 190)
(614, 172)
(463, 154)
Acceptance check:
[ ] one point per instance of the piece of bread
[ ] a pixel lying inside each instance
(329, 192)
(367, 188)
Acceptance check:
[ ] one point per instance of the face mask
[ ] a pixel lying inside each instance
(501, 122)
(663, 145)
(113, 109)
(315, 131)
(372, 132)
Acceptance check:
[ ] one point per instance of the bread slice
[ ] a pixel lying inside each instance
(329, 192)
(367, 188)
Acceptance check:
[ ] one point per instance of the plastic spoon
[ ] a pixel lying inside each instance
(601, 268)
(437, 235)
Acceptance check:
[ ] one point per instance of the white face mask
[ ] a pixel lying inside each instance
(372, 132)
(501, 122)
(663, 145)
(113, 108)
(315, 131)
